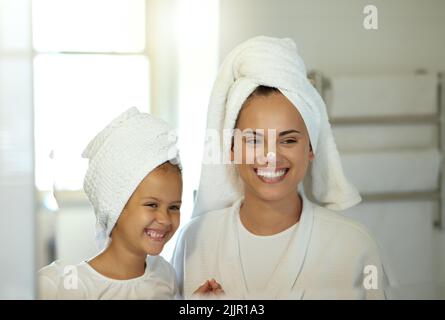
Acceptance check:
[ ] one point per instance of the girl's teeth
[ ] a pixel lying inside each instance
(271, 174)
(155, 235)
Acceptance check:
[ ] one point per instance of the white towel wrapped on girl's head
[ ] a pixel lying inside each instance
(120, 156)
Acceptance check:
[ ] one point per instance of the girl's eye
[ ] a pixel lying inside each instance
(151, 205)
(176, 208)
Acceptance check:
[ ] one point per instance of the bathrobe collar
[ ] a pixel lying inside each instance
(282, 283)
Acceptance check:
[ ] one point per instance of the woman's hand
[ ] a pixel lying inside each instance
(209, 288)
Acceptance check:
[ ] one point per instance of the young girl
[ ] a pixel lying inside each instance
(270, 232)
(134, 184)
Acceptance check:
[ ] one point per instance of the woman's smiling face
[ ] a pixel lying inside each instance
(259, 118)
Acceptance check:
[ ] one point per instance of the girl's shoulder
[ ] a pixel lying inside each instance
(59, 269)
(64, 281)
(57, 275)
(54, 272)
(51, 270)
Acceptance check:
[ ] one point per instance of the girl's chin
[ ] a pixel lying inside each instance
(152, 249)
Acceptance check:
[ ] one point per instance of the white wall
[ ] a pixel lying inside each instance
(332, 39)
(331, 36)
(17, 229)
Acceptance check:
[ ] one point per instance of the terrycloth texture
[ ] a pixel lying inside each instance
(275, 63)
(120, 157)
(325, 258)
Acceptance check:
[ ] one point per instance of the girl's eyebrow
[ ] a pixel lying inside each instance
(283, 133)
(149, 198)
(156, 199)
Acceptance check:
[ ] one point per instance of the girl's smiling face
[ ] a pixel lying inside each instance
(293, 151)
(151, 215)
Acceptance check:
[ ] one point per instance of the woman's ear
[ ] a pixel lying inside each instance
(232, 156)
(311, 153)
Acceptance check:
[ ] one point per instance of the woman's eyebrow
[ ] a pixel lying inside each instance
(253, 132)
(283, 133)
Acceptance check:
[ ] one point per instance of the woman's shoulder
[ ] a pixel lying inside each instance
(207, 221)
(334, 225)
(162, 275)
(160, 267)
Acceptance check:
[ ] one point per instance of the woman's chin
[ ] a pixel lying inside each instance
(272, 195)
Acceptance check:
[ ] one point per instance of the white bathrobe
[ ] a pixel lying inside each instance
(328, 255)
(326, 258)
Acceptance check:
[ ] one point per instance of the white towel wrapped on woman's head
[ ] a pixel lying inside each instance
(120, 157)
(274, 63)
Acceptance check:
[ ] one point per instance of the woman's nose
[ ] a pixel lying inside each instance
(270, 159)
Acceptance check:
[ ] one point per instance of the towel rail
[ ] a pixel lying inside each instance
(402, 196)
(439, 223)
(322, 84)
(391, 120)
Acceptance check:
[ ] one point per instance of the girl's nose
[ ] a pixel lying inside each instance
(163, 217)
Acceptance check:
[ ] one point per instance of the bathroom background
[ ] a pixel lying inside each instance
(67, 67)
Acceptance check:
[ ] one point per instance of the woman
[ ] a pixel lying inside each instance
(265, 228)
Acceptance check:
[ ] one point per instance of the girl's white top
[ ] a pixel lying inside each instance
(82, 282)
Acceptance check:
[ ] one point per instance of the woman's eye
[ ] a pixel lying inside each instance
(253, 141)
(151, 205)
(289, 141)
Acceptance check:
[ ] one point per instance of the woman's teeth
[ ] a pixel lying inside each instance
(155, 234)
(271, 175)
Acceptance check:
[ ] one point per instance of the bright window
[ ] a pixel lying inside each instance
(89, 66)
(89, 25)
